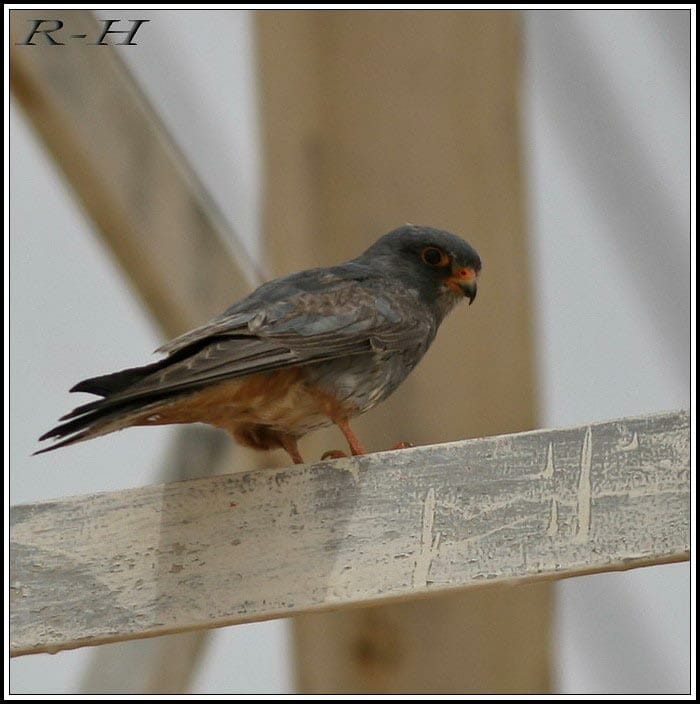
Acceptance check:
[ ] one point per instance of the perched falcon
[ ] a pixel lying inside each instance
(299, 353)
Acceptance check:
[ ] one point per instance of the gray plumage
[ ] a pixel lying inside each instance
(356, 329)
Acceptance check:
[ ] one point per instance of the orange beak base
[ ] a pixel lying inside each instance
(463, 282)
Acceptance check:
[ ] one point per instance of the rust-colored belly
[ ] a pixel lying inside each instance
(256, 409)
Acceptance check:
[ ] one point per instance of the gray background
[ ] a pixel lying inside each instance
(606, 143)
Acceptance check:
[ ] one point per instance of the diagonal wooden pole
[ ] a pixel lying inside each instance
(372, 119)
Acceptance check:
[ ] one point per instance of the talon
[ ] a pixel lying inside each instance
(403, 445)
(333, 455)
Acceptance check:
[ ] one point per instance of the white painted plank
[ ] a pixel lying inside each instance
(277, 542)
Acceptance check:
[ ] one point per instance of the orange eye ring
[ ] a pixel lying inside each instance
(433, 256)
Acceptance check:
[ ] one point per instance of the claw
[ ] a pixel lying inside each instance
(403, 445)
(333, 455)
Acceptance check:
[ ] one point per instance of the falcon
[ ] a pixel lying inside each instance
(299, 353)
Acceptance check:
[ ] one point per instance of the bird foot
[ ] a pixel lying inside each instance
(337, 454)
(333, 455)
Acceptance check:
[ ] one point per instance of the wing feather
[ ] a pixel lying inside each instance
(307, 328)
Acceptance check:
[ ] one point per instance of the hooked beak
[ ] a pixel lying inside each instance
(470, 291)
(463, 282)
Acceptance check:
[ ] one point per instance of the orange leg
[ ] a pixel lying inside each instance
(289, 443)
(355, 446)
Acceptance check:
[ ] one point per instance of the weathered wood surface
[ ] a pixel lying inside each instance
(164, 665)
(270, 543)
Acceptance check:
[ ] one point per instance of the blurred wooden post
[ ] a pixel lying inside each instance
(372, 119)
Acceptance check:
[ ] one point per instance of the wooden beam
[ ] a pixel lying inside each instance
(276, 542)
(372, 119)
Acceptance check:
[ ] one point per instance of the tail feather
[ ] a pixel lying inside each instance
(84, 421)
(108, 384)
(99, 406)
(86, 434)
(105, 419)
(118, 381)
(116, 410)
(105, 415)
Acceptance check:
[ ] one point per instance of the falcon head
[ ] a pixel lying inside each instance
(442, 266)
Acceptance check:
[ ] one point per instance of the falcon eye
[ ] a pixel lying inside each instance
(434, 257)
